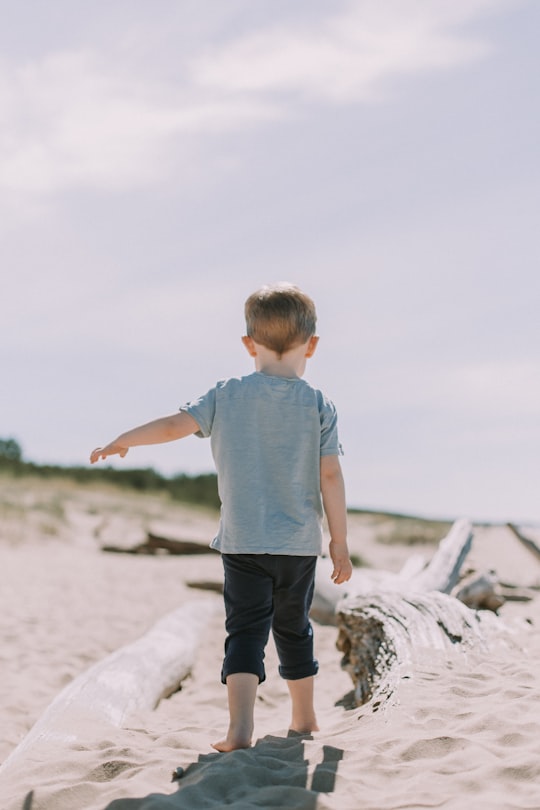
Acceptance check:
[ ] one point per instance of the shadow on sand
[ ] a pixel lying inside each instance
(274, 773)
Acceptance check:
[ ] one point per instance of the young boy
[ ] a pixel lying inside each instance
(275, 445)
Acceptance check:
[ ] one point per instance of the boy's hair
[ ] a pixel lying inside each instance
(280, 317)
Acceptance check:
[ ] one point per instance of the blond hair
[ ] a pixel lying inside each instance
(280, 317)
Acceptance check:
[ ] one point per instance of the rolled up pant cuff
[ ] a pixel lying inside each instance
(234, 671)
(299, 671)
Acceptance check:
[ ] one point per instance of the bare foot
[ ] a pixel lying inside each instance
(231, 744)
(241, 692)
(303, 718)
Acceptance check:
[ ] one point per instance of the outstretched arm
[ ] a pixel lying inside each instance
(333, 495)
(166, 429)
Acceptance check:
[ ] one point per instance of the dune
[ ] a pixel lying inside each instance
(459, 734)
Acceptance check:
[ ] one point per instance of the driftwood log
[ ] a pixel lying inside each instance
(155, 544)
(381, 636)
(481, 592)
(382, 620)
(136, 676)
(526, 541)
(441, 573)
(385, 622)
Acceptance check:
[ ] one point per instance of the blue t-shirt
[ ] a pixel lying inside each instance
(267, 436)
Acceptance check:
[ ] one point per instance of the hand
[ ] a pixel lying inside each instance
(342, 563)
(112, 449)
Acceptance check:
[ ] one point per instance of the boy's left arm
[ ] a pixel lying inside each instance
(166, 429)
(335, 507)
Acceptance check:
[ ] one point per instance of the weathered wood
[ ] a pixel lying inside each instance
(206, 585)
(156, 541)
(480, 592)
(327, 595)
(527, 541)
(518, 593)
(154, 544)
(380, 636)
(441, 573)
(136, 676)
(486, 592)
(382, 630)
(521, 595)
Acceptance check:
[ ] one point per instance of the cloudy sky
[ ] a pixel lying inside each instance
(159, 161)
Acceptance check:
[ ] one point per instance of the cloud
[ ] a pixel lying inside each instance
(345, 57)
(66, 120)
(76, 119)
(97, 119)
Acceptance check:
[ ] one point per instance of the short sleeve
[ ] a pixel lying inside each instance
(203, 411)
(330, 445)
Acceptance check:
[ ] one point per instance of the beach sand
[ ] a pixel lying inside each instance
(463, 733)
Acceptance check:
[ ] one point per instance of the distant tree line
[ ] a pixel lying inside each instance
(195, 489)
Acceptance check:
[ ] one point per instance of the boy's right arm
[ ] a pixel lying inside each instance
(335, 507)
(166, 429)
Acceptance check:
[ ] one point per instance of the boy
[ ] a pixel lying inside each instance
(275, 445)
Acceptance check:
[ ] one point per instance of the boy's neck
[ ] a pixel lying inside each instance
(278, 368)
(291, 364)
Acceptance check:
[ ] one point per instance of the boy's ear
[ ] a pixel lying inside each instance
(312, 345)
(249, 343)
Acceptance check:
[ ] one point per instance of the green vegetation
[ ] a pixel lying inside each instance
(10, 451)
(398, 529)
(201, 490)
(410, 531)
(197, 489)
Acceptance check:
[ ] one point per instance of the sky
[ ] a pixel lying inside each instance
(160, 161)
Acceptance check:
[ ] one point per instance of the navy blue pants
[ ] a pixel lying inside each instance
(266, 592)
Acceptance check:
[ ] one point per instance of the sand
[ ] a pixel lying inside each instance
(462, 733)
